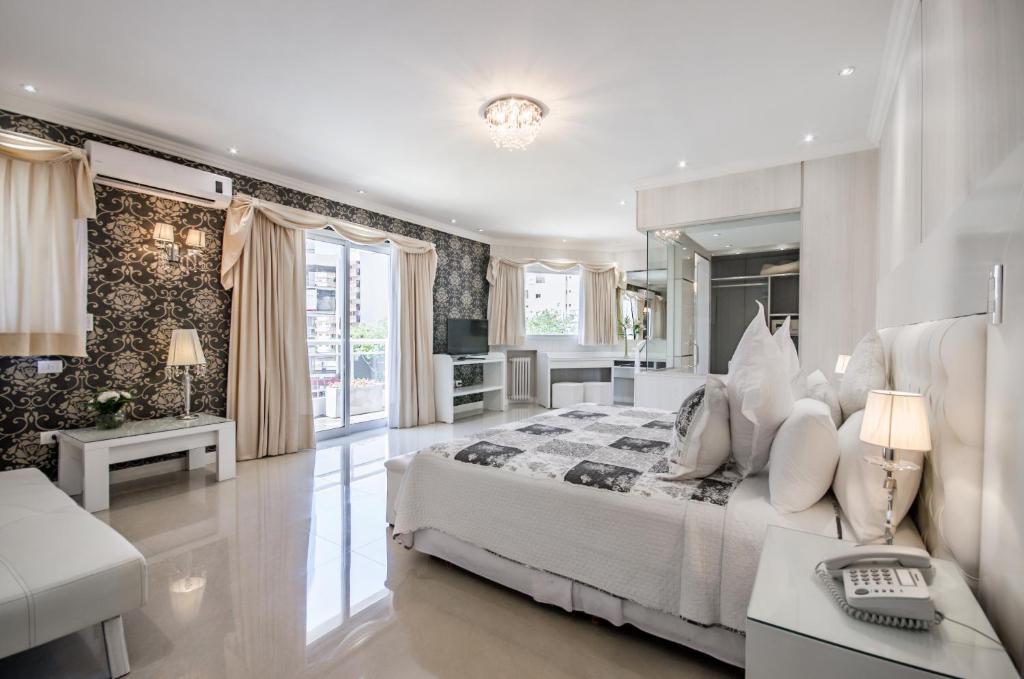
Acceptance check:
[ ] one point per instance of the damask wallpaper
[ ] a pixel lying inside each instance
(137, 299)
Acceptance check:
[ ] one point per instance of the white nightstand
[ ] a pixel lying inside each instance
(795, 629)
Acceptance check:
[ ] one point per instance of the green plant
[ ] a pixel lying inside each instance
(551, 322)
(109, 401)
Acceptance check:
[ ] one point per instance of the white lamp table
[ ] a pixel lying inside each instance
(85, 455)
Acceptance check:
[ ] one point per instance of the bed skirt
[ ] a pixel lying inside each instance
(719, 642)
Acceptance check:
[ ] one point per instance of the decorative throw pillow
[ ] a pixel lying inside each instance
(804, 457)
(784, 339)
(858, 483)
(760, 395)
(866, 371)
(701, 440)
(820, 389)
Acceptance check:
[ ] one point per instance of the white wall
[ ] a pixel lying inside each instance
(956, 131)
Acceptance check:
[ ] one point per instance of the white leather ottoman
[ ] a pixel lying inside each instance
(62, 569)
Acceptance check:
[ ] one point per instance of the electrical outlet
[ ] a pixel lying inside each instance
(47, 437)
(49, 367)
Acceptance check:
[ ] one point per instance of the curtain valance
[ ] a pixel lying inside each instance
(238, 226)
(46, 194)
(34, 150)
(555, 265)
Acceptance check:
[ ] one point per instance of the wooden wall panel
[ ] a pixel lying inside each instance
(747, 194)
(838, 257)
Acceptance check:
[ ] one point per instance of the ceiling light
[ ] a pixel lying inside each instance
(232, 150)
(452, 221)
(682, 163)
(360, 191)
(30, 88)
(847, 71)
(729, 245)
(808, 138)
(513, 120)
(479, 230)
(622, 203)
(564, 240)
(716, 235)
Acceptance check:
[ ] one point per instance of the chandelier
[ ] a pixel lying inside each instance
(513, 120)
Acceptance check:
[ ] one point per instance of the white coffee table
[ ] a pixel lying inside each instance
(86, 454)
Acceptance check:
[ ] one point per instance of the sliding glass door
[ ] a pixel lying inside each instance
(347, 307)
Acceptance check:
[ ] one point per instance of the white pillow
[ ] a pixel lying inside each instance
(858, 483)
(760, 395)
(784, 339)
(703, 445)
(804, 457)
(819, 388)
(866, 371)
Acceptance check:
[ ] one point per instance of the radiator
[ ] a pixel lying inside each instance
(521, 382)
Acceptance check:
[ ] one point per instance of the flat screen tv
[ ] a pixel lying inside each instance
(467, 336)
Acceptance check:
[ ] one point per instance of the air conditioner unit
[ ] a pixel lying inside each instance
(124, 169)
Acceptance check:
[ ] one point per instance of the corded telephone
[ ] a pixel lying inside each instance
(883, 584)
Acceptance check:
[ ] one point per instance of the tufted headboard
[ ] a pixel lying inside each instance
(945, 361)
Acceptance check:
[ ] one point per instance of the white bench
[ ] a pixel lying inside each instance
(62, 569)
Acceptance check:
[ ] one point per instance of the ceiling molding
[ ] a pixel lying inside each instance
(61, 116)
(901, 21)
(805, 152)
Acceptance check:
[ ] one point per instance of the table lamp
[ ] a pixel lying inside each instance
(184, 352)
(894, 420)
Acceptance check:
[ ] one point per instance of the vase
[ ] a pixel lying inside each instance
(110, 420)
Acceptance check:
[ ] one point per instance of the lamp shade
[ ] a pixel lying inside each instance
(841, 362)
(897, 420)
(195, 238)
(163, 232)
(185, 348)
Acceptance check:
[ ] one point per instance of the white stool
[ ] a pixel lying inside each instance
(598, 392)
(565, 394)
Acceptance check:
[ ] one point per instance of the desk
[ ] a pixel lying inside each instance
(85, 455)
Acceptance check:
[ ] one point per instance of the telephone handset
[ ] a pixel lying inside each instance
(883, 584)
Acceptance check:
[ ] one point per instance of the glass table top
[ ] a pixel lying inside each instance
(140, 427)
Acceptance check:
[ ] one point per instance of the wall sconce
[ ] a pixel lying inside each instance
(163, 234)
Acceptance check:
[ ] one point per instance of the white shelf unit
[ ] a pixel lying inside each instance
(445, 391)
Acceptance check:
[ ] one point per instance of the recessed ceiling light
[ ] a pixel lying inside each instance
(729, 245)
(564, 240)
(808, 138)
(622, 203)
(232, 150)
(716, 235)
(479, 230)
(847, 71)
(682, 163)
(360, 191)
(452, 221)
(30, 88)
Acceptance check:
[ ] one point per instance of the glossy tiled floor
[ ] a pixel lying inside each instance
(287, 571)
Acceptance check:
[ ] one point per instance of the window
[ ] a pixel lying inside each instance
(552, 303)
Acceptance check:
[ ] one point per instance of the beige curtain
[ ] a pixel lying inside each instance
(599, 318)
(46, 193)
(412, 401)
(416, 268)
(268, 375)
(506, 303)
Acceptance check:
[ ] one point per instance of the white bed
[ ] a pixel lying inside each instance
(679, 568)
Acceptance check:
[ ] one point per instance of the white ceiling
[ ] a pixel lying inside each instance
(385, 94)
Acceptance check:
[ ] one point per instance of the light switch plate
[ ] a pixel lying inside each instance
(89, 324)
(49, 367)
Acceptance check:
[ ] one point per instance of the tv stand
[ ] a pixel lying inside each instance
(492, 388)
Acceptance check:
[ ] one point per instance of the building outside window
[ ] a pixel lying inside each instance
(552, 303)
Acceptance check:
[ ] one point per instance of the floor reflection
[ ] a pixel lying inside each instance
(347, 564)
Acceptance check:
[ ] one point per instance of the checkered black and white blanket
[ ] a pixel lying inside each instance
(605, 447)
